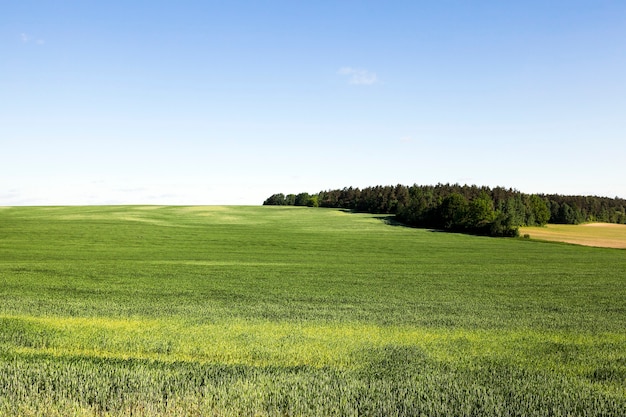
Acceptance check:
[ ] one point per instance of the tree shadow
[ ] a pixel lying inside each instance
(391, 220)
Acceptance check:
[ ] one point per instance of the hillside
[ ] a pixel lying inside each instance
(267, 311)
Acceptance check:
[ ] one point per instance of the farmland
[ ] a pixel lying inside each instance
(590, 234)
(264, 311)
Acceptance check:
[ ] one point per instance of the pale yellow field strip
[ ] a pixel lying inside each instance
(604, 235)
(264, 343)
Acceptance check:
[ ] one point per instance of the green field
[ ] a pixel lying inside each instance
(290, 311)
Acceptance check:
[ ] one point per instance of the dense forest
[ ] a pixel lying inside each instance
(464, 208)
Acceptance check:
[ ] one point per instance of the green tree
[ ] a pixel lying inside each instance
(539, 209)
(453, 211)
(515, 209)
(302, 199)
(275, 200)
(504, 225)
(481, 212)
(570, 215)
(313, 201)
(290, 199)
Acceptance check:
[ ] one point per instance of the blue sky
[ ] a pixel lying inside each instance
(204, 102)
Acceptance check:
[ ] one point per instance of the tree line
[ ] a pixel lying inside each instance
(464, 208)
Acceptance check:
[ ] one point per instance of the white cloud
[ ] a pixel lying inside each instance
(359, 76)
(27, 38)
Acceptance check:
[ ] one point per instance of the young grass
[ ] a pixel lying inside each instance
(299, 311)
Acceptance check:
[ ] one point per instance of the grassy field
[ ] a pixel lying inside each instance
(590, 234)
(290, 311)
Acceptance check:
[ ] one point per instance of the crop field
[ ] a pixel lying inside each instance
(591, 234)
(293, 311)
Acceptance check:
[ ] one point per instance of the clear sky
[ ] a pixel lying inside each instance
(228, 102)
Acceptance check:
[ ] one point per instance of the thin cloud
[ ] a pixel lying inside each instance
(27, 39)
(359, 76)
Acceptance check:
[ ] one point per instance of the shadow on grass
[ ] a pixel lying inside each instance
(391, 220)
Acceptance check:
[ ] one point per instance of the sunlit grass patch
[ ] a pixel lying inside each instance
(249, 363)
(288, 344)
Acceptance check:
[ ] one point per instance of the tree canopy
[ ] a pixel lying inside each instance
(465, 208)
